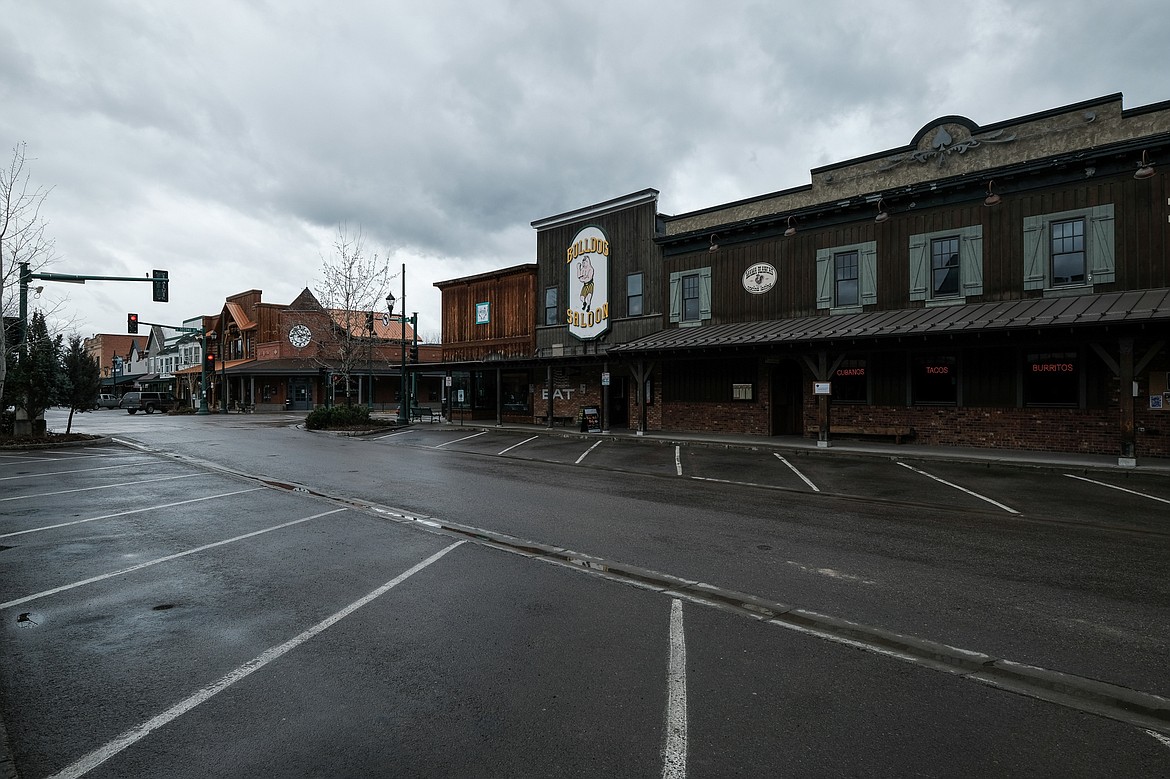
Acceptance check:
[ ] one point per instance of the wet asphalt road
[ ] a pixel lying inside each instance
(486, 662)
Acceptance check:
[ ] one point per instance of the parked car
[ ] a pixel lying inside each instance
(147, 401)
(106, 401)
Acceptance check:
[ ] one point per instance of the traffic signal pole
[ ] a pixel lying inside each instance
(159, 279)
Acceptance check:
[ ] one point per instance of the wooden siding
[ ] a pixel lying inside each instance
(1140, 241)
(509, 331)
(631, 234)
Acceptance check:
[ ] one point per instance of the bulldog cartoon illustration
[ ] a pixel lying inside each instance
(585, 276)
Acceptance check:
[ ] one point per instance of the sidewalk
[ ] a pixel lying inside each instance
(842, 446)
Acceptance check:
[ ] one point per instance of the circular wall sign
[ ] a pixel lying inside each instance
(760, 278)
(299, 336)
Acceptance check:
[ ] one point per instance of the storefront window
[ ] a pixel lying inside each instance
(515, 388)
(935, 379)
(850, 382)
(1052, 379)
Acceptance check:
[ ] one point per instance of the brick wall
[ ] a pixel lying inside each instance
(1083, 431)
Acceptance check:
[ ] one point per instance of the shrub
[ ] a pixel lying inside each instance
(337, 417)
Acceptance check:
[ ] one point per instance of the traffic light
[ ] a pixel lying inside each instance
(414, 353)
(162, 286)
(132, 324)
(209, 362)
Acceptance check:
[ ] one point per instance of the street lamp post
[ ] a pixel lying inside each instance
(403, 408)
(370, 360)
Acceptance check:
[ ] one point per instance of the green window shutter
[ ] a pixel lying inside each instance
(1102, 254)
(1035, 252)
(704, 293)
(675, 297)
(825, 278)
(919, 262)
(868, 271)
(971, 263)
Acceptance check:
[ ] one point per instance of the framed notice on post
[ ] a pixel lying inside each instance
(822, 388)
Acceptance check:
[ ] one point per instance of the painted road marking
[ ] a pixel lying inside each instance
(131, 511)
(513, 446)
(831, 573)
(677, 460)
(21, 459)
(383, 437)
(674, 751)
(1164, 739)
(587, 451)
(156, 561)
(136, 734)
(101, 487)
(61, 473)
(1121, 489)
(961, 489)
(465, 438)
(798, 473)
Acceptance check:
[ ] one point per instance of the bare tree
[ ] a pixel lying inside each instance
(353, 290)
(23, 239)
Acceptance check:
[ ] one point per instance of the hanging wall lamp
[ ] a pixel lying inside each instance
(1145, 170)
(791, 231)
(881, 214)
(714, 247)
(992, 199)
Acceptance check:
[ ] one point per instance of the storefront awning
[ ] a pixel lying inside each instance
(1074, 311)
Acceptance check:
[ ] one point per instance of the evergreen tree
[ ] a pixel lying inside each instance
(80, 381)
(35, 385)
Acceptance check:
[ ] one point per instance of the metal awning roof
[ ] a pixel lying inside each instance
(1074, 311)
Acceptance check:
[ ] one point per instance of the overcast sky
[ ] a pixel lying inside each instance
(226, 141)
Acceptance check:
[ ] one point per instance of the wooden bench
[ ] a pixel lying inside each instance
(895, 432)
(556, 420)
(419, 413)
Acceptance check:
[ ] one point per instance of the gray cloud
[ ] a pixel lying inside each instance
(225, 141)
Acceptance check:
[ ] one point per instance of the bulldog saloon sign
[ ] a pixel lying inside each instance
(587, 309)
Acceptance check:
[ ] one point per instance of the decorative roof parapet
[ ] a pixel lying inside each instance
(949, 142)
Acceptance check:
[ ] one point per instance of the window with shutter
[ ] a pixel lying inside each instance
(1069, 251)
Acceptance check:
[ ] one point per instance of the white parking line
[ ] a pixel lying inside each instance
(60, 473)
(677, 460)
(586, 453)
(136, 734)
(1165, 740)
(513, 446)
(961, 489)
(100, 487)
(1120, 489)
(674, 751)
(21, 459)
(830, 572)
(465, 438)
(131, 511)
(383, 437)
(798, 473)
(157, 560)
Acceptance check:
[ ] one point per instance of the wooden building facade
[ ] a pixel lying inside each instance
(1003, 286)
(999, 286)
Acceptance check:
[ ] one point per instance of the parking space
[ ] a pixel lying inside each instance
(1132, 499)
(164, 619)
(1138, 499)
